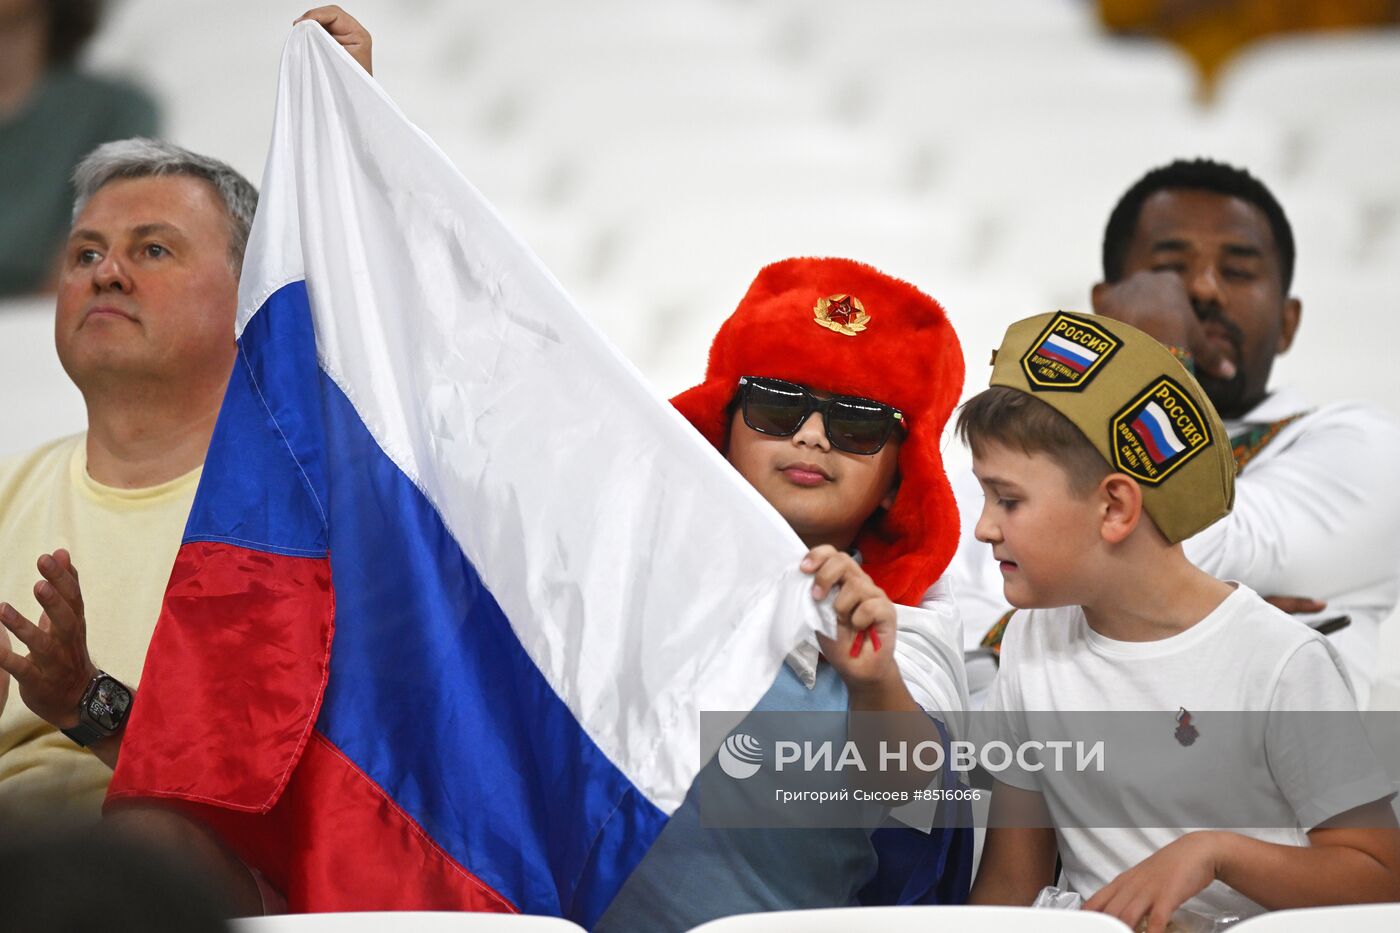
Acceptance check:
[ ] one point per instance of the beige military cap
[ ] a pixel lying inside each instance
(1135, 403)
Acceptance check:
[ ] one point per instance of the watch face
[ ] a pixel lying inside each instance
(108, 704)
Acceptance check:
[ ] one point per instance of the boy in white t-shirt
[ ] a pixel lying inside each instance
(1098, 454)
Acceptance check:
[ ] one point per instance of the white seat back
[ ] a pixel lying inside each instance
(403, 922)
(918, 920)
(1354, 918)
(40, 403)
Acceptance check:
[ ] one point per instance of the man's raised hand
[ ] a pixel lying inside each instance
(53, 676)
(344, 29)
(1158, 304)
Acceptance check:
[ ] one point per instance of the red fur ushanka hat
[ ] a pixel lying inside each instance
(889, 342)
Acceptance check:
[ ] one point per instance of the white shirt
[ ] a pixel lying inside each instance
(1244, 656)
(1317, 515)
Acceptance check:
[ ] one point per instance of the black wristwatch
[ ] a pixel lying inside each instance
(102, 710)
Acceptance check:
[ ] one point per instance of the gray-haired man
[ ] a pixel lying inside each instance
(144, 328)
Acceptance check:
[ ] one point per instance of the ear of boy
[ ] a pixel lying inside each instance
(1121, 501)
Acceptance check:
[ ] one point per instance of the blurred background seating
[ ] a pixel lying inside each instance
(403, 922)
(52, 113)
(655, 154)
(1214, 32)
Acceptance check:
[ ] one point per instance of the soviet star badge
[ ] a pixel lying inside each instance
(841, 313)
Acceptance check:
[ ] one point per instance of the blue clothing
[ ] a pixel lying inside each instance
(693, 874)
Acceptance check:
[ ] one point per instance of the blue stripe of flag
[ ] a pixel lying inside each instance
(431, 692)
(1151, 426)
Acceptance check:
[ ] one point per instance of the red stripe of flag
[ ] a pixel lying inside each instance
(1145, 435)
(1072, 364)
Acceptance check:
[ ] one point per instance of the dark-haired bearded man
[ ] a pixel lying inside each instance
(1200, 255)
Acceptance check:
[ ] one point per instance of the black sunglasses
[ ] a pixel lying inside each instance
(779, 408)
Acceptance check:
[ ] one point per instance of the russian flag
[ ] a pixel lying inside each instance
(456, 583)
(1071, 354)
(1154, 429)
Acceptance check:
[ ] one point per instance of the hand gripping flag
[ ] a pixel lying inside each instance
(456, 584)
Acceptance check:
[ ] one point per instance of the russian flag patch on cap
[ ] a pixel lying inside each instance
(1068, 353)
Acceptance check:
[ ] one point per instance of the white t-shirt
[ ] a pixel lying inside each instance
(1244, 656)
(1317, 515)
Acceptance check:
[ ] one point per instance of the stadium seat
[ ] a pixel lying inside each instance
(1314, 81)
(1036, 164)
(403, 922)
(789, 163)
(682, 272)
(895, 28)
(1080, 87)
(40, 402)
(1349, 322)
(1330, 232)
(918, 920)
(1356, 158)
(210, 104)
(655, 154)
(528, 37)
(1356, 918)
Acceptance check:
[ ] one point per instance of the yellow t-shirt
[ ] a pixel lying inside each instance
(123, 543)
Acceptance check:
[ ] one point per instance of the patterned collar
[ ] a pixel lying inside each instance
(1248, 443)
(1262, 425)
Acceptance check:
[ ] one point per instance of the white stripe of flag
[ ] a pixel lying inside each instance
(1074, 350)
(1155, 412)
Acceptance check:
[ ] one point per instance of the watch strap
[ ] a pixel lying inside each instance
(84, 734)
